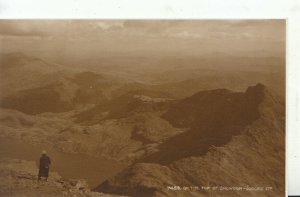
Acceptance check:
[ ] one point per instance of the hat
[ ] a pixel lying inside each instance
(44, 152)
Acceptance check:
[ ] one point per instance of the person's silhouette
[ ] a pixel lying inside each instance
(44, 166)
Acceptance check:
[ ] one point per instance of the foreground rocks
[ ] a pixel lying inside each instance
(19, 178)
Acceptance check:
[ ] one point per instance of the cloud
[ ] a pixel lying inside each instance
(20, 28)
(181, 29)
(186, 34)
(135, 35)
(109, 25)
(70, 29)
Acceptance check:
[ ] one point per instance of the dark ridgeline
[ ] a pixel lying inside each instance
(214, 118)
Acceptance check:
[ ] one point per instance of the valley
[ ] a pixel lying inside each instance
(110, 129)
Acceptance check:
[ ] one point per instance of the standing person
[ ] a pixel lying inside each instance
(44, 166)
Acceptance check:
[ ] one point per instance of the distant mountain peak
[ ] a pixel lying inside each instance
(257, 89)
(19, 55)
(15, 59)
(16, 54)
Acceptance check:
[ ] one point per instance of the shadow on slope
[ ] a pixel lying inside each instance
(213, 118)
(253, 156)
(37, 100)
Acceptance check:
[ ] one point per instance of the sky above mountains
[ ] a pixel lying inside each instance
(94, 38)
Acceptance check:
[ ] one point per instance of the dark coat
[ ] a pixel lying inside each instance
(44, 166)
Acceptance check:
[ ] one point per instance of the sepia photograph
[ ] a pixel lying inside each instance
(142, 108)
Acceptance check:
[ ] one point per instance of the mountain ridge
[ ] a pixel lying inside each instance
(220, 164)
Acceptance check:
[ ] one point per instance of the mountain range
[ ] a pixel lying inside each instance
(168, 129)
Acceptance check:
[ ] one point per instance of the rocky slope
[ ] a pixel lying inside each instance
(124, 129)
(213, 117)
(249, 161)
(19, 178)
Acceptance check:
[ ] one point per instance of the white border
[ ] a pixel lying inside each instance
(171, 9)
(190, 9)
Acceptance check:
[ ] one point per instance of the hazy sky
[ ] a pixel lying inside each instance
(143, 37)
